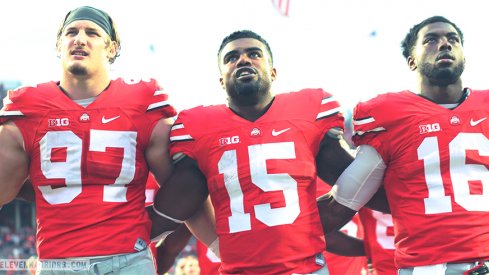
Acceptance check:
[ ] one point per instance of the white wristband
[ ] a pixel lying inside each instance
(166, 216)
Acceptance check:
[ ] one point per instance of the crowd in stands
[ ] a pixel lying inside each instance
(17, 244)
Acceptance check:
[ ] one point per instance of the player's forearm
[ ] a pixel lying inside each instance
(203, 224)
(342, 244)
(333, 215)
(168, 251)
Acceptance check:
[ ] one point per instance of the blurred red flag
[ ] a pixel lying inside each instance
(282, 6)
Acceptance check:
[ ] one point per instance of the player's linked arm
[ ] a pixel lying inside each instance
(333, 215)
(356, 186)
(179, 198)
(342, 244)
(14, 162)
(167, 252)
(334, 158)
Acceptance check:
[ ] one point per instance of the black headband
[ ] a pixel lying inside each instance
(97, 16)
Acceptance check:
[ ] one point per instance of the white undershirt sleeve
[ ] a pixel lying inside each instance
(361, 180)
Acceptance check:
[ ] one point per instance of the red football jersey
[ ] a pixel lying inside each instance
(87, 165)
(436, 174)
(208, 261)
(379, 240)
(261, 177)
(341, 265)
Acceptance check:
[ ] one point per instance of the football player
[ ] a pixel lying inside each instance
(429, 149)
(258, 157)
(86, 142)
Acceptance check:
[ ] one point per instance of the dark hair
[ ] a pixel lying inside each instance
(407, 45)
(114, 36)
(244, 34)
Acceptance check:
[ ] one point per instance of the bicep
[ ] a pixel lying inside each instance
(333, 158)
(14, 162)
(184, 192)
(157, 153)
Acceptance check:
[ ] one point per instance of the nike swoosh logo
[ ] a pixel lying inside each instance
(474, 123)
(276, 133)
(107, 120)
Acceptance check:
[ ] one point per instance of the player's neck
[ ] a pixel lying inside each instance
(443, 94)
(251, 112)
(83, 88)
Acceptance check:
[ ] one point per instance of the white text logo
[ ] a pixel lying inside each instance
(58, 122)
(429, 128)
(229, 140)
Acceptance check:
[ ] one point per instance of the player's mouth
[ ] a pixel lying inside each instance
(445, 57)
(78, 52)
(245, 73)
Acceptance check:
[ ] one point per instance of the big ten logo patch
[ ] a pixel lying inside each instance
(429, 128)
(229, 140)
(52, 122)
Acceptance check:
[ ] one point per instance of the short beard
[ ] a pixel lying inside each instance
(249, 94)
(443, 76)
(78, 70)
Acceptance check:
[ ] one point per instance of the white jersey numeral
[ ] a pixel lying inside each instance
(461, 173)
(70, 170)
(382, 223)
(258, 155)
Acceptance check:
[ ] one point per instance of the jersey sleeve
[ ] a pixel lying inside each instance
(12, 105)
(159, 104)
(369, 125)
(181, 139)
(329, 113)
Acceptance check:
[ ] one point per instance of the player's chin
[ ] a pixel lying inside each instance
(78, 70)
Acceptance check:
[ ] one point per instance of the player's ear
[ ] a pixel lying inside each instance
(112, 49)
(412, 63)
(274, 74)
(58, 50)
(221, 80)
